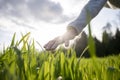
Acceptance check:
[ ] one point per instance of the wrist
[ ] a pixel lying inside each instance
(69, 34)
(72, 30)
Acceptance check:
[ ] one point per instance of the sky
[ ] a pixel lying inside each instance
(46, 19)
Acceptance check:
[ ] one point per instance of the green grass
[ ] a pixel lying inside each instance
(26, 63)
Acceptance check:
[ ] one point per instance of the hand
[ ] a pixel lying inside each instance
(53, 44)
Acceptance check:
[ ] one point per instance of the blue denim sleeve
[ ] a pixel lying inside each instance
(93, 7)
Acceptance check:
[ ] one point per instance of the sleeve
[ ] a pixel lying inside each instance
(93, 7)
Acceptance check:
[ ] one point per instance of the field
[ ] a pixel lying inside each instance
(26, 63)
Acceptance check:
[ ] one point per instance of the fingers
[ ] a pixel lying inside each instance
(49, 44)
(54, 46)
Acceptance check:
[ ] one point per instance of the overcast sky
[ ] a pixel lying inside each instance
(45, 19)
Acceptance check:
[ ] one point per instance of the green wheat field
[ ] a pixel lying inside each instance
(21, 61)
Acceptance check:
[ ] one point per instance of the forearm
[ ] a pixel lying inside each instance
(93, 7)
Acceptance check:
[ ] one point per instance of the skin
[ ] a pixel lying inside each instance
(54, 43)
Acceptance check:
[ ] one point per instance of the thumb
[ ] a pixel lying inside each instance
(66, 43)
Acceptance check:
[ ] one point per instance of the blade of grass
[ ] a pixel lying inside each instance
(91, 42)
(13, 40)
(23, 38)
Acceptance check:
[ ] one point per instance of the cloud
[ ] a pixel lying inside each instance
(45, 10)
(11, 7)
